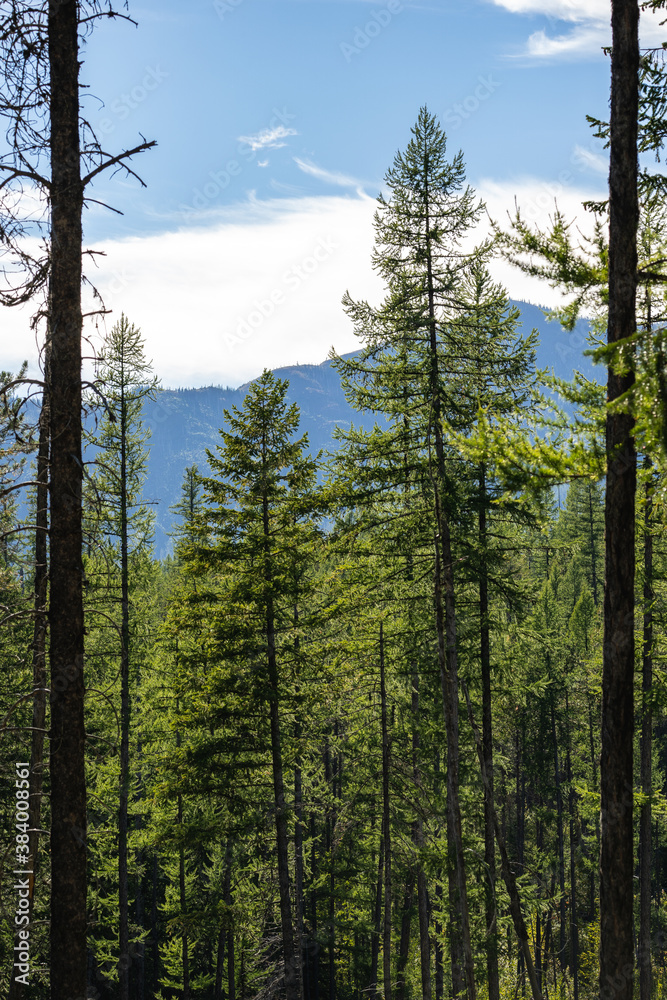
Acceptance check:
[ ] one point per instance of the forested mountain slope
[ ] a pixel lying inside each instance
(185, 422)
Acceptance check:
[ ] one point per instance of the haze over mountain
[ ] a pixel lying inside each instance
(185, 422)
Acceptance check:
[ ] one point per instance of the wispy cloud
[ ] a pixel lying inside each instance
(587, 23)
(581, 41)
(329, 176)
(590, 160)
(563, 10)
(268, 138)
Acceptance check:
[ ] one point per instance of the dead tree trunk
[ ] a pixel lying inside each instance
(68, 783)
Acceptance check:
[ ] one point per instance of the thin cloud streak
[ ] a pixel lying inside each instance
(268, 138)
(329, 176)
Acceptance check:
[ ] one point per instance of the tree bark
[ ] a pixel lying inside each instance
(386, 932)
(616, 773)
(646, 758)
(492, 973)
(68, 782)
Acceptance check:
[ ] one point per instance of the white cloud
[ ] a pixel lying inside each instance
(268, 138)
(537, 201)
(590, 27)
(581, 41)
(259, 285)
(564, 10)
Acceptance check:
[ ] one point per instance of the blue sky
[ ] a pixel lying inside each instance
(276, 121)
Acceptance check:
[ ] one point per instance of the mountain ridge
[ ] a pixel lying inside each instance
(185, 422)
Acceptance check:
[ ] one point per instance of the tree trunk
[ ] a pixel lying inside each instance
(616, 778)
(646, 755)
(438, 950)
(418, 837)
(447, 649)
(508, 876)
(298, 866)
(291, 969)
(314, 962)
(155, 940)
(594, 573)
(39, 679)
(574, 930)
(140, 901)
(377, 924)
(462, 962)
(219, 964)
(404, 943)
(561, 838)
(330, 778)
(182, 896)
(292, 988)
(123, 888)
(492, 974)
(68, 781)
(386, 932)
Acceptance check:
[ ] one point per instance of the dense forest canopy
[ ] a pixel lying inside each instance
(389, 721)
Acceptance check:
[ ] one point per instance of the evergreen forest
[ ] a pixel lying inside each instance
(360, 734)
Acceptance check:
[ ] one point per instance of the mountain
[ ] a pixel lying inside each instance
(185, 422)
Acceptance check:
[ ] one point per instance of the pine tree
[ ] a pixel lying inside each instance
(260, 504)
(120, 518)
